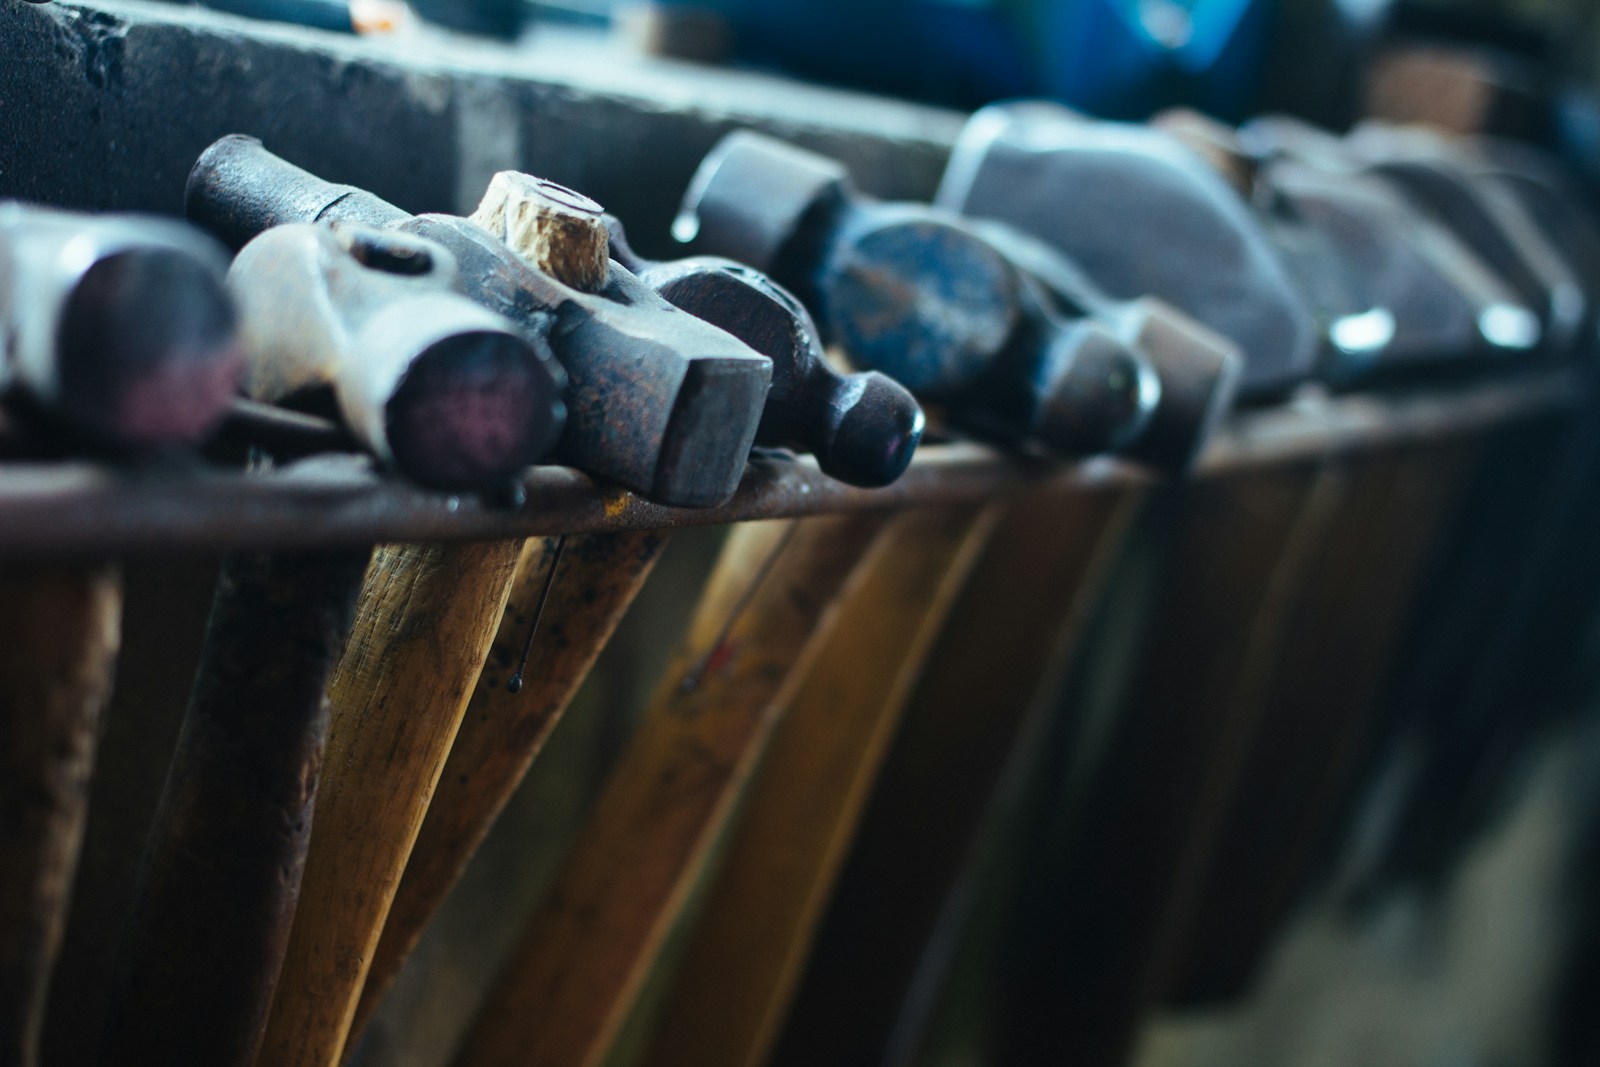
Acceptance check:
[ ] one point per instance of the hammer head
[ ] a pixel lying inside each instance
(121, 327)
(863, 428)
(753, 197)
(661, 402)
(1424, 297)
(1140, 214)
(449, 393)
(900, 288)
(923, 296)
(1439, 179)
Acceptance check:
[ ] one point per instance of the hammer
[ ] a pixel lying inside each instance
(938, 305)
(657, 401)
(1138, 212)
(120, 329)
(447, 391)
(1488, 218)
(862, 427)
(1397, 291)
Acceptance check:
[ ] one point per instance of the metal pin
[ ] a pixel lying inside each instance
(698, 671)
(515, 684)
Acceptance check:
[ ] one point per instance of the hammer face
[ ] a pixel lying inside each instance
(122, 328)
(662, 402)
(444, 389)
(919, 299)
(1076, 185)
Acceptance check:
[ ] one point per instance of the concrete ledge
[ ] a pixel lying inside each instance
(107, 105)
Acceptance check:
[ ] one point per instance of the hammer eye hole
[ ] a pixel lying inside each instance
(381, 250)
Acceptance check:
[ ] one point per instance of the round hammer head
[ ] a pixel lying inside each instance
(750, 196)
(124, 329)
(145, 351)
(1199, 373)
(863, 428)
(470, 412)
(1101, 396)
(919, 298)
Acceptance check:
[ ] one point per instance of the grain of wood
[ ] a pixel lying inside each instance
(503, 732)
(60, 627)
(998, 661)
(423, 627)
(215, 899)
(589, 948)
(746, 951)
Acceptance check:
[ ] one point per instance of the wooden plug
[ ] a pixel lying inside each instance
(561, 232)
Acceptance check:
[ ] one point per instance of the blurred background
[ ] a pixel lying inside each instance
(1451, 917)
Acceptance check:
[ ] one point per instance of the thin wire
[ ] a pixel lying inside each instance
(697, 672)
(515, 684)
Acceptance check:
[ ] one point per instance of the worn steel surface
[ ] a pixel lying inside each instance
(916, 293)
(862, 427)
(1076, 185)
(450, 393)
(657, 400)
(1488, 219)
(119, 329)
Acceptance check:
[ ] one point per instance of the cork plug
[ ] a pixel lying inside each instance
(561, 232)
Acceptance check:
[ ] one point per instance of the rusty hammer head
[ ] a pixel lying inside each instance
(863, 427)
(448, 392)
(663, 402)
(120, 328)
(916, 293)
(657, 401)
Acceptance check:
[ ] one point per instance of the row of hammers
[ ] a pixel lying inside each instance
(1079, 288)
